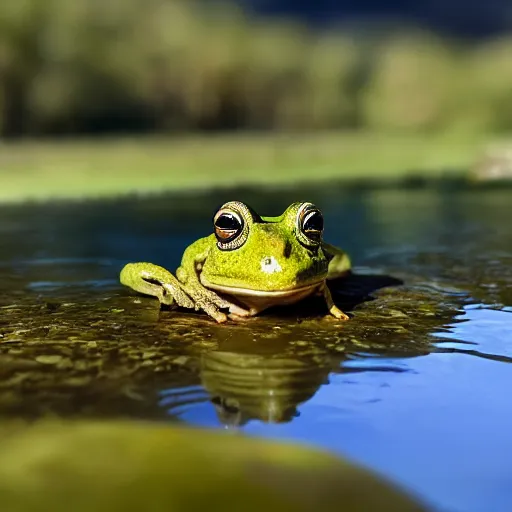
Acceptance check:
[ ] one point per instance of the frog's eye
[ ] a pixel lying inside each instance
(229, 228)
(228, 225)
(310, 224)
(232, 224)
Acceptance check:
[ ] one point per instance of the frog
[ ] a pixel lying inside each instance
(249, 263)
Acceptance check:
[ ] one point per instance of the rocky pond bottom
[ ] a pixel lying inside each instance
(415, 385)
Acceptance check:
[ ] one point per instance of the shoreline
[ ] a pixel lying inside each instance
(78, 169)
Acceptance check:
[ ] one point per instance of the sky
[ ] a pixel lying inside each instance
(451, 17)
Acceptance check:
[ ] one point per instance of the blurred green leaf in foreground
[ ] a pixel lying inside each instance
(115, 466)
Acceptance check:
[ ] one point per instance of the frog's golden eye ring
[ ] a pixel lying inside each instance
(231, 224)
(310, 224)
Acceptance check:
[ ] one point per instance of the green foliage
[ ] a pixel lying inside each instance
(160, 65)
(411, 84)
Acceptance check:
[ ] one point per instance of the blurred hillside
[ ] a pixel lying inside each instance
(96, 66)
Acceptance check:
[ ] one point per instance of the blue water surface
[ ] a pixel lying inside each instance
(440, 426)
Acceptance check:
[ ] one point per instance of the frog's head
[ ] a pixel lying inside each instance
(265, 255)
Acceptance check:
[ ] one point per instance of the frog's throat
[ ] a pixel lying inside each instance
(248, 292)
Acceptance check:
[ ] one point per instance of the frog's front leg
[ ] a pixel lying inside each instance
(156, 281)
(186, 292)
(333, 309)
(205, 299)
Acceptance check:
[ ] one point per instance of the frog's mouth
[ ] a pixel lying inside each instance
(250, 292)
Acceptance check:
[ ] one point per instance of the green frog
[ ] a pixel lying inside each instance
(248, 264)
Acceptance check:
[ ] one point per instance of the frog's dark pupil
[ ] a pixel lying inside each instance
(228, 222)
(314, 222)
(228, 227)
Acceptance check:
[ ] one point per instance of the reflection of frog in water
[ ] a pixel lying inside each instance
(244, 386)
(248, 264)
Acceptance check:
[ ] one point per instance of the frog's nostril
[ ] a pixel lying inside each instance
(269, 265)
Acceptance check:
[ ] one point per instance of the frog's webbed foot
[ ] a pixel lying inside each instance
(156, 281)
(211, 309)
(333, 309)
(207, 300)
(181, 290)
(204, 299)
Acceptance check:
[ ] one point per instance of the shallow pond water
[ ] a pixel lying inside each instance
(415, 385)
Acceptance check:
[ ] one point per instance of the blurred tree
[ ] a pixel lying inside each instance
(411, 85)
(20, 59)
(95, 66)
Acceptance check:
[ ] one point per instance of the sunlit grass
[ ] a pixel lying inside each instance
(109, 167)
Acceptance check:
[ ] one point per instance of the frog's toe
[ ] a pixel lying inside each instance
(184, 302)
(212, 311)
(166, 300)
(333, 309)
(337, 313)
(218, 300)
(220, 317)
(175, 294)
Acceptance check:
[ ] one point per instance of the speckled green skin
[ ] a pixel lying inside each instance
(272, 267)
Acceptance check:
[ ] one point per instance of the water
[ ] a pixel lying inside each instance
(414, 386)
